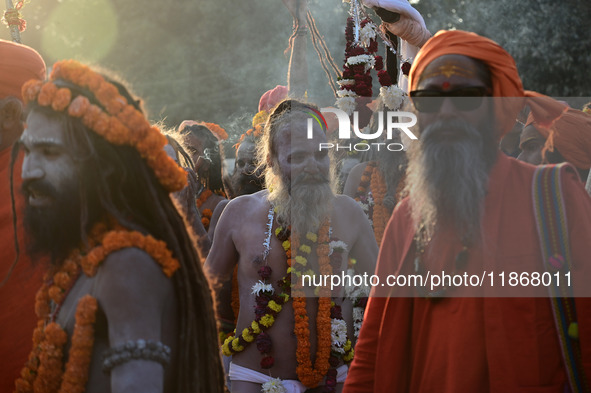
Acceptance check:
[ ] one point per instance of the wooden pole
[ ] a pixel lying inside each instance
(14, 32)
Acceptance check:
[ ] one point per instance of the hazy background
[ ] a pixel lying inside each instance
(211, 60)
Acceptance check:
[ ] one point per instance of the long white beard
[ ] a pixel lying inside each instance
(304, 206)
(447, 180)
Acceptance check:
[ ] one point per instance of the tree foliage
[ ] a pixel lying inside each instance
(211, 60)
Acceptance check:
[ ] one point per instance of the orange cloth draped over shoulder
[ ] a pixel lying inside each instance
(571, 138)
(506, 83)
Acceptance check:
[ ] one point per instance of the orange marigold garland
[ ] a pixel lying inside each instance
(268, 306)
(380, 212)
(370, 195)
(77, 368)
(206, 213)
(120, 124)
(44, 370)
(119, 239)
(308, 374)
(216, 130)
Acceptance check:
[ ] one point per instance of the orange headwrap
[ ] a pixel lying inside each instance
(570, 136)
(505, 79)
(18, 64)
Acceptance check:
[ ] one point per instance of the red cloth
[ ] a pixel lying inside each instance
(505, 79)
(17, 296)
(475, 344)
(18, 64)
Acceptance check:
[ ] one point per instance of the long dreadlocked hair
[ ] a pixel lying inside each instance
(121, 184)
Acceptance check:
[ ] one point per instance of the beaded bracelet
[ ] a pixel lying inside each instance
(136, 350)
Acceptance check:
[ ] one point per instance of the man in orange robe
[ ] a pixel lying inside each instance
(18, 63)
(470, 210)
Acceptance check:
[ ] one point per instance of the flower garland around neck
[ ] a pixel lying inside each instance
(268, 305)
(360, 58)
(331, 330)
(120, 123)
(332, 342)
(44, 370)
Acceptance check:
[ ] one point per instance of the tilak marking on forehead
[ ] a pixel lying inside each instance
(448, 69)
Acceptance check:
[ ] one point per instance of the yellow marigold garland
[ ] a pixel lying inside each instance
(121, 124)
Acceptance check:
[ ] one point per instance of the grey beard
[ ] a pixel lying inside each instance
(447, 180)
(304, 206)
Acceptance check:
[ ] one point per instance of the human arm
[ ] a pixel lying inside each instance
(354, 179)
(136, 298)
(364, 248)
(222, 259)
(215, 217)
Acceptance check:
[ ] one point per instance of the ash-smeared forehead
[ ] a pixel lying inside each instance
(458, 66)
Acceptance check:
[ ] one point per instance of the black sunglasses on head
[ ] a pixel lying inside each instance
(464, 98)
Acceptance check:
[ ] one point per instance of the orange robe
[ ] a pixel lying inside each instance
(468, 344)
(17, 296)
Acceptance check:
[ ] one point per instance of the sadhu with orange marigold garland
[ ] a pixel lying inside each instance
(125, 305)
(287, 332)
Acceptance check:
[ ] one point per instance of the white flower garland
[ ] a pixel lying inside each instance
(347, 103)
(274, 385)
(368, 60)
(338, 335)
(262, 287)
(338, 246)
(392, 96)
(366, 34)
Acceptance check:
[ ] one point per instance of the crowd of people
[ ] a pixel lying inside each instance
(135, 259)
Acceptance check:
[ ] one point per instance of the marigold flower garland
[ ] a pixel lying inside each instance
(217, 131)
(120, 123)
(44, 370)
(330, 344)
(268, 306)
(311, 375)
(370, 194)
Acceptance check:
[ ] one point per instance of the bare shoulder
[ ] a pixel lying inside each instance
(344, 203)
(132, 274)
(246, 206)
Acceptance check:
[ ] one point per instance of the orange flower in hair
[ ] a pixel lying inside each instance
(216, 130)
(78, 106)
(46, 94)
(120, 123)
(61, 100)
